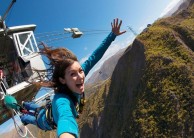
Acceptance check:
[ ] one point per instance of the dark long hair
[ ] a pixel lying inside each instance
(59, 60)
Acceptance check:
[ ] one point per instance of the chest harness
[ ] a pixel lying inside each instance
(48, 111)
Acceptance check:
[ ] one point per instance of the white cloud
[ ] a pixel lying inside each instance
(171, 6)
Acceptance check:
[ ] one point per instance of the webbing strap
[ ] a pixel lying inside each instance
(49, 116)
(36, 115)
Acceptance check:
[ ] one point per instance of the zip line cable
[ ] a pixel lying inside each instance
(51, 34)
(96, 33)
(57, 34)
(47, 34)
(131, 29)
(94, 30)
(51, 39)
(54, 36)
(83, 30)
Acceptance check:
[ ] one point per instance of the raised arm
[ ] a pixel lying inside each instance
(99, 52)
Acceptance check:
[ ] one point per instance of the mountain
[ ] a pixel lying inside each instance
(106, 69)
(183, 6)
(105, 72)
(179, 7)
(151, 91)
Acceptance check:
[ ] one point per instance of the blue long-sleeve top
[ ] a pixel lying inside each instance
(63, 108)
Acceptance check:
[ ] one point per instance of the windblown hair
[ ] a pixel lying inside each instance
(59, 60)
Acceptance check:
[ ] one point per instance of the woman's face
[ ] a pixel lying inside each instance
(74, 78)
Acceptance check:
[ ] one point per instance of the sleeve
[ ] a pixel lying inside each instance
(98, 53)
(66, 121)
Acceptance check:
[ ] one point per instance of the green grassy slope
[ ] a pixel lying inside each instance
(164, 102)
(151, 92)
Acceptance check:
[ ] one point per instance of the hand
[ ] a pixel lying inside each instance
(116, 27)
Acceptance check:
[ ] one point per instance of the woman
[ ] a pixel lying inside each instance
(68, 82)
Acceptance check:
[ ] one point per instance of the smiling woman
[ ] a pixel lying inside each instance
(74, 78)
(66, 76)
(92, 20)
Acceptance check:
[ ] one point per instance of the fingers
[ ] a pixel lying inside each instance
(120, 23)
(115, 23)
(122, 32)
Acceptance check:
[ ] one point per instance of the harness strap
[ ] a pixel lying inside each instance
(80, 106)
(49, 116)
(48, 111)
(36, 115)
(37, 111)
(82, 103)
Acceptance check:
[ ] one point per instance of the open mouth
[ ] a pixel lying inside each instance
(79, 85)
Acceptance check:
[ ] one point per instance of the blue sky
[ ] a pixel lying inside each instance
(54, 15)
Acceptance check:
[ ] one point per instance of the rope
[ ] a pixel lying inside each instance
(18, 128)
